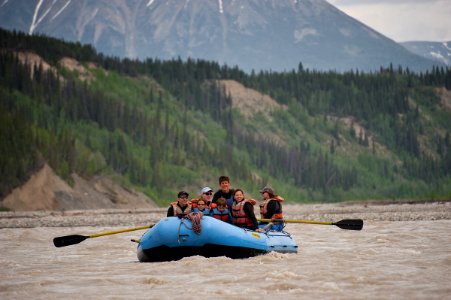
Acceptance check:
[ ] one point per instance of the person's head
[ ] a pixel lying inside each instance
(201, 205)
(182, 198)
(224, 183)
(267, 192)
(221, 204)
(239, 195)
(207, 193)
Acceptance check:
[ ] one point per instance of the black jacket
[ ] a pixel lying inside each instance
(248, 209)
(273, 208)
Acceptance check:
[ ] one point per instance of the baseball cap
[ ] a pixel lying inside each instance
(267, 189)
(182, 193)
(206, 190)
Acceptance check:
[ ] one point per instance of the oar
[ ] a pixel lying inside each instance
(350, 224)
(68, 240)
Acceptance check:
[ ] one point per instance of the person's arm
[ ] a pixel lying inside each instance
(250, 213)
(170, 211)
(229, 203)
(230, 218)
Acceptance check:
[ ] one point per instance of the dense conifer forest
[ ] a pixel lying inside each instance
(161, 126)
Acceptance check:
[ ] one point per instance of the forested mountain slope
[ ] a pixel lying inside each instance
(162, 126)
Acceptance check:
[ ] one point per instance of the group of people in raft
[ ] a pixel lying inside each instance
(230, 205)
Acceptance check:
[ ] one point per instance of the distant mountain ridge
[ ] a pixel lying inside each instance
(437, 51)
(252, 34)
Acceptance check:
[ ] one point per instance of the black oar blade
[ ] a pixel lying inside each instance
(351, 224)
(68, 240)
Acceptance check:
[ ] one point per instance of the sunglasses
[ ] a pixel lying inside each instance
(208, 193)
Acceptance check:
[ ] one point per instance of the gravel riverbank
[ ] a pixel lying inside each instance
(368, 211)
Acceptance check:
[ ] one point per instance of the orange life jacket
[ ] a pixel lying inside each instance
(264, 209)
(178, 211)
(240, 218)
(195, 200)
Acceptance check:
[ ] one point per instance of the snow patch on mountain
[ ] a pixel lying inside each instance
(35, 14)
(438, 56)
(299, 35)
(61, 10)
(438, 51)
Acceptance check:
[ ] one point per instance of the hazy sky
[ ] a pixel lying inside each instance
(402, 20)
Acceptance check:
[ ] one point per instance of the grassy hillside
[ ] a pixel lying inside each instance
(162, 126)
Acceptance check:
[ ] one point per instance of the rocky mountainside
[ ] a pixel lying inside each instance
(47, 191)
(252, 34)
(437, 51)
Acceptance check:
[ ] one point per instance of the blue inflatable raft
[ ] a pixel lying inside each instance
(173, 238)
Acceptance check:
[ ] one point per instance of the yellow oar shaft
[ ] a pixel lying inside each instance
(296, 221)
(119, 231)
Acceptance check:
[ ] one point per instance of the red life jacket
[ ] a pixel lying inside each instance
(223, 216)
(240, 218)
